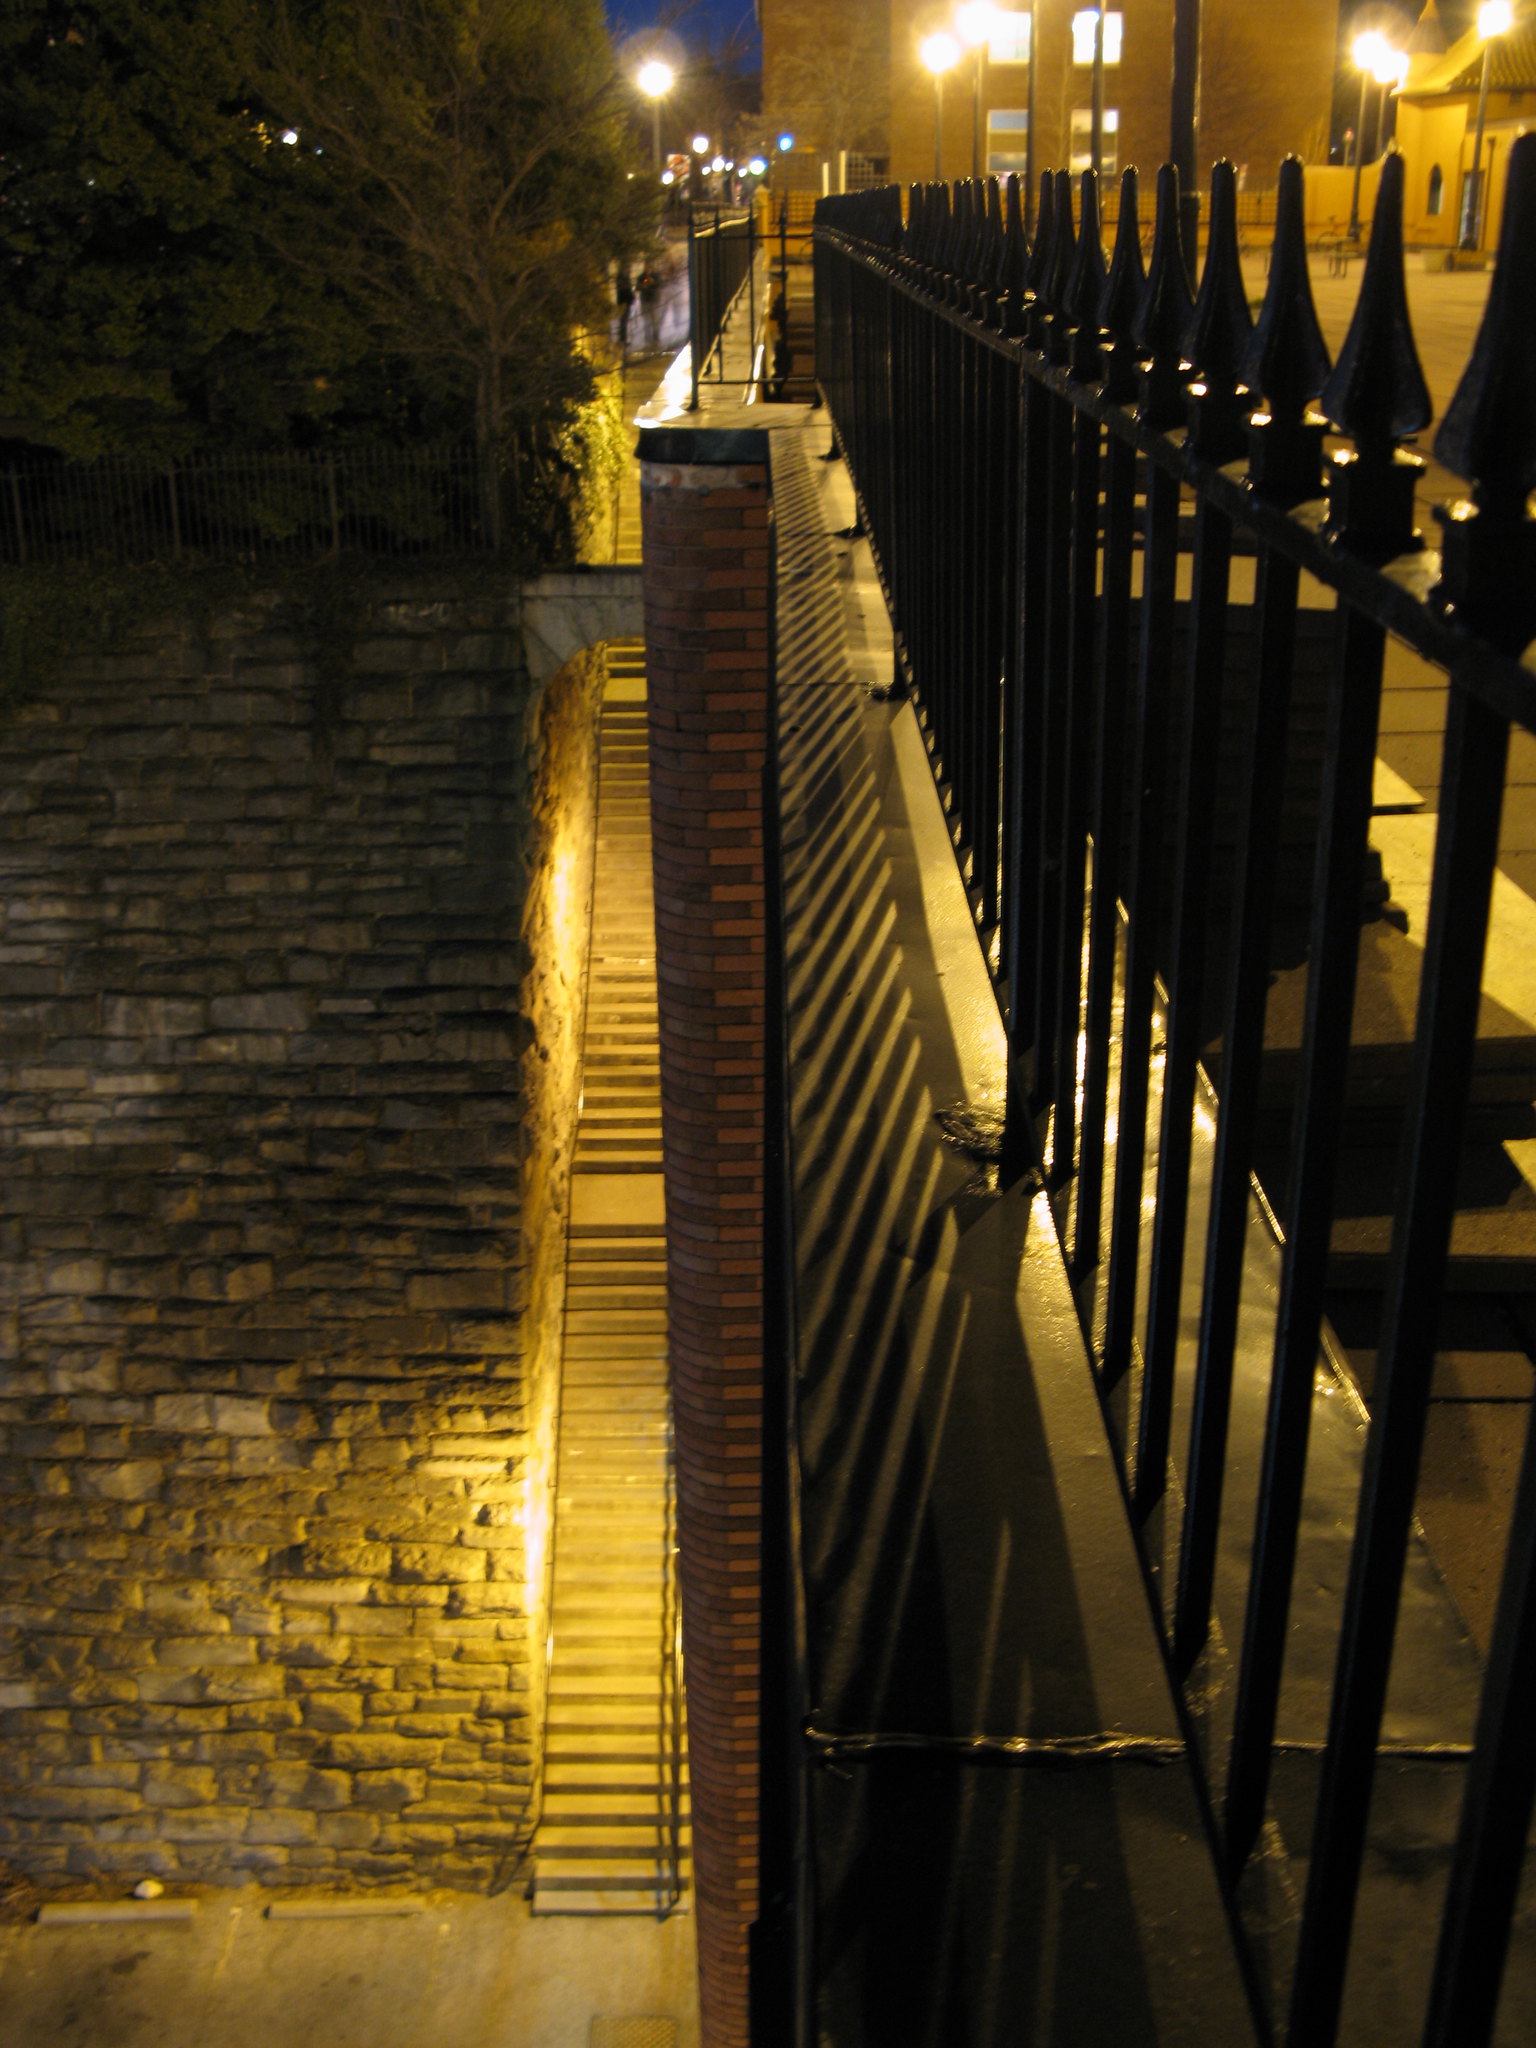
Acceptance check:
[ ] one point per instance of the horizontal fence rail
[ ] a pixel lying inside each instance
(251, 507)
(1143, 608)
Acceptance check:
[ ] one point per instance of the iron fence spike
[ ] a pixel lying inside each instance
(1377, 392)
(1163, 316)
(1221, 324)
(1127, 277)
(1063, 242)
(1166, 303)
(1286, 359)
(1085, 287)
(1488, 434)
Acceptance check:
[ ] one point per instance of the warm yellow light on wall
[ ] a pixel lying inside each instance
(940, 53)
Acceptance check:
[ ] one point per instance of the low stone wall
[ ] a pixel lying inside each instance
(291, 960)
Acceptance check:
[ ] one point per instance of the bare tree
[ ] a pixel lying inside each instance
(483, 147)
(827, 73)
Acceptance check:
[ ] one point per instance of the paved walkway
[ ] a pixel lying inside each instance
(461, 1972)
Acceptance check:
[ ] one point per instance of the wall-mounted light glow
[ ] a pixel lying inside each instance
(1083, 25)
(786, 142)
(940, 53)
(975, 21)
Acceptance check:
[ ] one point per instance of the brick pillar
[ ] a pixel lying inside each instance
(706, 541)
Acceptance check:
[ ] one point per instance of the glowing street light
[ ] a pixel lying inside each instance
(655, 80)
(700, 145)
(1494, 18)
(940, 53)
(1373, 54)
(976, 24)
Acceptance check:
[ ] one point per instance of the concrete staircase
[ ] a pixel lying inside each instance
(614, 1834)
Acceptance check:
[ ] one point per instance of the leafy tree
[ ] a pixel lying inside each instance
(224, 225)
(142, 311)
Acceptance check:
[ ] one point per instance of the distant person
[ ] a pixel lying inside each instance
(650, 295)
(624, 296)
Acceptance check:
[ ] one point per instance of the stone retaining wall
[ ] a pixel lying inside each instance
(290, 974)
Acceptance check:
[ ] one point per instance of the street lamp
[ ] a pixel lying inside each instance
(1494, 18)
(976, 23)
(655, 81)
(940, 53)
(1369, 52)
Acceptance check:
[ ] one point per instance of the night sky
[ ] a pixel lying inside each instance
(692, 21)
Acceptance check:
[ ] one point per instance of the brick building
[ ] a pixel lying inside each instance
(846, 74)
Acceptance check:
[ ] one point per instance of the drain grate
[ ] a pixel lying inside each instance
(646, 2031)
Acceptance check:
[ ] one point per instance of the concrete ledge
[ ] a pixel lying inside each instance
(129, 1912)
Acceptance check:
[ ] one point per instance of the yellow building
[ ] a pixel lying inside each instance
(1437, 126)
(846, 75)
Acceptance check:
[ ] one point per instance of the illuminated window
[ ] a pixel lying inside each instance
(1009, 40)
(1007, 133)
(1082, 36)
(1082, 140)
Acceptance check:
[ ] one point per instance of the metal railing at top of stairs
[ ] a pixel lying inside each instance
(722, 266)
(670, 1891)
(1028, 429)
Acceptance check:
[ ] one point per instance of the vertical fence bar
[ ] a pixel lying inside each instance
(1113, 690)
(1186, 991)
(1466, 849)
(1496, 1811)
(1160, 559)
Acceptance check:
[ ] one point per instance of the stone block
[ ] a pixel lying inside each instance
(333, 1713)
(303, 1785)
(389, 1788)
(234, 1414)
(182, 1412)
(350, 1830)
(272, 1010)
(203, 1653)
(284, 1829)
(204, 1823)
(375, 1752)
(135, 1479)
(179, 1785)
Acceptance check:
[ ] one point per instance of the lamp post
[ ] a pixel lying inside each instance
(940, 53)
(655, 81)
(975, 21)
(1494, 19)
(1369, 52)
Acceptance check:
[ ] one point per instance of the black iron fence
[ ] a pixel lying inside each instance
(1143, 607)
(722, 265)
(249, 507)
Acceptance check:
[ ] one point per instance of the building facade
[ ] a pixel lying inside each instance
(848, 75)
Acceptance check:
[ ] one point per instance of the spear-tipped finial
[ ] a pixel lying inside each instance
(1377, 395)
(1219, 332)
(1042, 261)
(1085, 287)
(1488, 434)
(1162, 318)
(1015, 258)
(1286, 360)
(1123, 288)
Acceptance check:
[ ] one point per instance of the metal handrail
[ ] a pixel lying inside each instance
(670, 1891)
